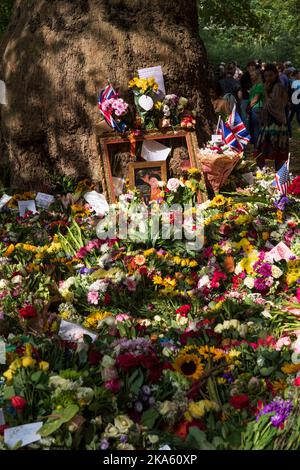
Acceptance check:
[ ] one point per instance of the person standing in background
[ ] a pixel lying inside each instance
(255, 106)
(229, 84)
(273, 142)
(286, 83)
(245, 85)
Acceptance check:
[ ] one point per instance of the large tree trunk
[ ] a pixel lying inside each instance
(57, 54)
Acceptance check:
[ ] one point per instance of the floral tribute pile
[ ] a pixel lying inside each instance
(180, 350)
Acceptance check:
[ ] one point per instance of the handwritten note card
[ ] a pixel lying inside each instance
(2, 92)
(26, 434)
(97, 201)
(73, 332)
(155, 72)
(279, 252)
(4, 200)
(2, 352)
(25, 206)
(2, 419)
(44, 200)
(153, 151)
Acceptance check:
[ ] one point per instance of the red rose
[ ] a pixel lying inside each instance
(113, 385)
(143, 271)
(28, 312)
(239, 402)
(107, 299)
(183, 310)
(94, 357)
(297, 382)
(127, 361)
(18, 403)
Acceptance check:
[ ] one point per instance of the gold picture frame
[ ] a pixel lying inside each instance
(146, 178)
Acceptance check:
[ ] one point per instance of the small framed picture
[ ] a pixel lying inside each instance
(146, 177)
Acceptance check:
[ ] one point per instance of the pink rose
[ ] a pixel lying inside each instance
(131, 284)
(173, 184)
(122, 317)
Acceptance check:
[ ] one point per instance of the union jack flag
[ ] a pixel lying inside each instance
(228, 137)
(106, 94)
(238, 128)
(282, 179)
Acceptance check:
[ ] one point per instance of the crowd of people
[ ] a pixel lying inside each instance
(264, 96)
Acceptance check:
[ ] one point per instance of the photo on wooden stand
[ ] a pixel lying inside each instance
(118, 152)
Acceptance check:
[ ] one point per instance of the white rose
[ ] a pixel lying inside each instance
(276, 272)
(218, 328)
(123, 423)
(3, 283)
(203, 281)
(17, 279)
(111, 431)
(107, 361)
(249, 282)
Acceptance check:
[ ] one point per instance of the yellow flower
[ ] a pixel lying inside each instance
(193, 171)
(43, 365)
(279, 385)
(9, 250)
(8, 374)
(293, 273)
(279, 215)
(28, 361)
(198, 409)
(265, 236)
(243, 219)
(15, 365)
(176, 259)
(94, 318)
(290, 369)
(189, 365)
(218, 200)
(169, 282)
(193, 263)
(28, 349)
(64, 315)
(149, 252)
(157, 280)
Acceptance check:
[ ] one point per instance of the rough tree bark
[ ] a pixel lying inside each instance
(56, 55)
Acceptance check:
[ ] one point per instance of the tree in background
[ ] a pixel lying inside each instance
(57, 54)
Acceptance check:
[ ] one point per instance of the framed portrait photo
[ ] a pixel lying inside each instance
(146, 178)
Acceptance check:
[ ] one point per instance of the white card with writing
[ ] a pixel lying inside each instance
(2, 352)
(2, 92)
(279, 252)
(44, 200)
(4, 200)
(216, 138)
(25, 206)
(97, 201)
(2, 419)
(153, 151)
(157, 73)
(26, 434)
(73, 332)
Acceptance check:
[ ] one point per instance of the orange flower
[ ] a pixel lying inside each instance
(228, 264)
(139, 260)
(9, 250)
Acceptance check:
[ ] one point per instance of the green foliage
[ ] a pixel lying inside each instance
(269, 26)
(6, 7)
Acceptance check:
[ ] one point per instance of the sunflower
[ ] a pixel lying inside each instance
(189, 365)
(218, 200)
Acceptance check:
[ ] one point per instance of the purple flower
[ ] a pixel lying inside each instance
(265, 270)
(282, 203)
(123, 439)
(260, 285)
(281, 408)
(104, 444)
